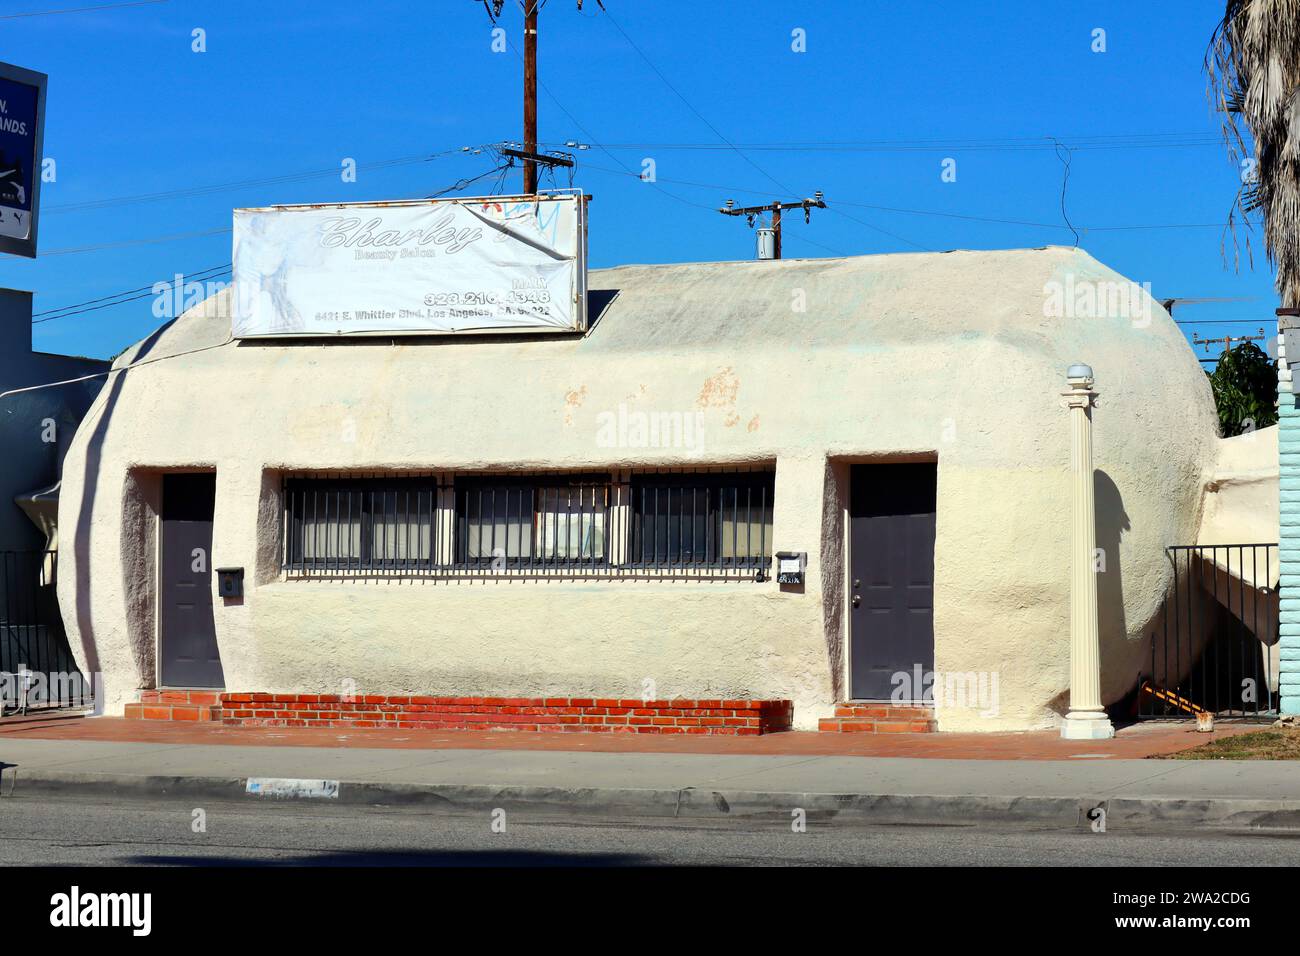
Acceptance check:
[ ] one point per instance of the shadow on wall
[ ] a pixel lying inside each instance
(1111, 522)
(1112, 625)
(832, 558)
(86, 506)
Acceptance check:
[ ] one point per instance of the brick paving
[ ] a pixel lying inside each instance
(1135, 741)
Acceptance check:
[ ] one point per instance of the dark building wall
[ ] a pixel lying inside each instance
(35, 427)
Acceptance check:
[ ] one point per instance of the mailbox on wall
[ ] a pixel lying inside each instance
(230, 582)
(790, 566)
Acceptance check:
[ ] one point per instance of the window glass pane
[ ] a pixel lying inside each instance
(329, 523)
(498, 521)
(712, 519)
(746, 524)
(570, 523)
(674, 524)
(402, 526)
(357, 523)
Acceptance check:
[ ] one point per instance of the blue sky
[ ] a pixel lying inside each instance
(884, 93)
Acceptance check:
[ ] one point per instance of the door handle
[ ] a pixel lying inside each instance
(857, 599)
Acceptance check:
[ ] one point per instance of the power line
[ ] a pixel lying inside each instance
(93, 308)
(94, 9)
(591, 140)
(914, 212)
(144, 292)
(713, 187)
(886, 146)
(1225, 321)
(124, 368)
(197, 275)
(702, 118)
(624, 170)
(739, 152)
(99, 247)
(462, 183)
(135, 294)
(211, 188)
(135, 298)
(718, 133)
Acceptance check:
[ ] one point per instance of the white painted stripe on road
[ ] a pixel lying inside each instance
(292, 787)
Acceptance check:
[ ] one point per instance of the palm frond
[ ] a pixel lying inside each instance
(1253, 62)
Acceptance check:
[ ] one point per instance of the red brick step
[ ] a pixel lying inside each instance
(872, 718)
(176, 704)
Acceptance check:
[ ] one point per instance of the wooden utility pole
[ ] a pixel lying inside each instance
(530, 94)
(531, 8)
(775, 209)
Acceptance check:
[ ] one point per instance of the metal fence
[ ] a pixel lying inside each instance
(703, 523)
(37, 669)
(1216, 651)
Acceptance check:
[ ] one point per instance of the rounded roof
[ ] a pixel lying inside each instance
(873, 301)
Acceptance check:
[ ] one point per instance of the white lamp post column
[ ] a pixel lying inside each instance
(1087, 719)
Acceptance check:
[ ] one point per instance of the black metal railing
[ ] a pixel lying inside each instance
(37, 669)
(1216, 650)
(703, 523)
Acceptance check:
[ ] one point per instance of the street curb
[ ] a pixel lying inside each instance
(857, 808)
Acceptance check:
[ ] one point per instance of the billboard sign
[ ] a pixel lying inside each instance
(490, 264)
(22, 125)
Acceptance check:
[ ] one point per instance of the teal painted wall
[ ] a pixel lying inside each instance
(1289, 532)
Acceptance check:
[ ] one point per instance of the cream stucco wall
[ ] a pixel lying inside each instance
(949, 357)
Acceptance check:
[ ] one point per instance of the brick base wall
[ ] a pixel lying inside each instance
(553, 714)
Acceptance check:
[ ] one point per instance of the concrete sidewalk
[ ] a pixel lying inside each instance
(1132, 741)
(1134, 793)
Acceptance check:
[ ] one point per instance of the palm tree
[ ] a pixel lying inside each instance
(1254, 68)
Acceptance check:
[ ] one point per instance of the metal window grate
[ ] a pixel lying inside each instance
(707, 523)
(702, 520)
(544, 521)
(360, 524)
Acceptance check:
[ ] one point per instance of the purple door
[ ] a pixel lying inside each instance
(891, 573)
(187, 634)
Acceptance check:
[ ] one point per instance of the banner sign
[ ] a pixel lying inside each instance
(22, 124)
(495, 264)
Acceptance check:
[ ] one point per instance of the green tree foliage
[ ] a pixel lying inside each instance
(1245, 389)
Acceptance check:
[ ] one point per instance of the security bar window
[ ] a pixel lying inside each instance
(360, 524)
(703, 520)
(700, 524)
(534, 521)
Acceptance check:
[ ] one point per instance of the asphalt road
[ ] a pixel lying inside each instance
(66, 831)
